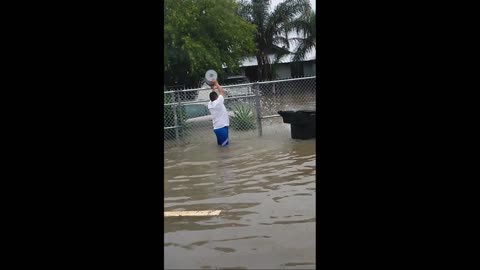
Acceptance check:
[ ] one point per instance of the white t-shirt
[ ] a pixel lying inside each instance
(219, 113)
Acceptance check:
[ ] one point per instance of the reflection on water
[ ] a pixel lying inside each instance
(265, 188)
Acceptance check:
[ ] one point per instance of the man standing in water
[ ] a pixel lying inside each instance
(219, 114)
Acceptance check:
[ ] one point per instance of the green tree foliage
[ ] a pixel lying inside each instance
(273, 27)
(201, 35)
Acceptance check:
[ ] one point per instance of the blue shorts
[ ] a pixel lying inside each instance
(222, 135)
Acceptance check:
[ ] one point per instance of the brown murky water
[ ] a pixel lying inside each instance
(265, 188)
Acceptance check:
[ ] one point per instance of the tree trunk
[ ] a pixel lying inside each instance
(264, 70)
(259, 67)
(267, 67)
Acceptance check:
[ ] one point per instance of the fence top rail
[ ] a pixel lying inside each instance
(208, 88)
(204, 101)
(288, 80)
(243, 84)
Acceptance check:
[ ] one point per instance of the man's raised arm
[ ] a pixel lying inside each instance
(219, 87)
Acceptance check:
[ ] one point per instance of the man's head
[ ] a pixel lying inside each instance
(213, 96)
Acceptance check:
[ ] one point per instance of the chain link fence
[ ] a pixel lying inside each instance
(253, 110)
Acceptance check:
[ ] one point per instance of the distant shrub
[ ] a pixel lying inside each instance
(243, 118)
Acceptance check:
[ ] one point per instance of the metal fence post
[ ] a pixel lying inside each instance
(175, 118)
(258, 108)
(181, 126)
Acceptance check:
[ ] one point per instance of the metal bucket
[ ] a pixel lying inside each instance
(210, 76)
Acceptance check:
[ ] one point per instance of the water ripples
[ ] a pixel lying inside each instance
(266, 191)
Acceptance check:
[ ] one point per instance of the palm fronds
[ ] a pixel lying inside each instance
(272, 28)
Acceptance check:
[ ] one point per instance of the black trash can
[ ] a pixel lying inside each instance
(303, 124)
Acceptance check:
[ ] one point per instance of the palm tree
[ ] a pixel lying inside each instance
(305, 26)
(272, 29)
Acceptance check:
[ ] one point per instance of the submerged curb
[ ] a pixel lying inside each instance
(192, 213)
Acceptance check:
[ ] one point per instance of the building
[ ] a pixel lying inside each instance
(285, 69)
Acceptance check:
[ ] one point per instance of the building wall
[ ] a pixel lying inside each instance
(309, 69)
(283, 71)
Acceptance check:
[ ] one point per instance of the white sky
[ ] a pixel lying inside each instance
(275, 2)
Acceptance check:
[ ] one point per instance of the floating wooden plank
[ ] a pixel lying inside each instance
(204, 213)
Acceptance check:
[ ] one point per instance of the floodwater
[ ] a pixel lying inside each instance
(265, 188)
